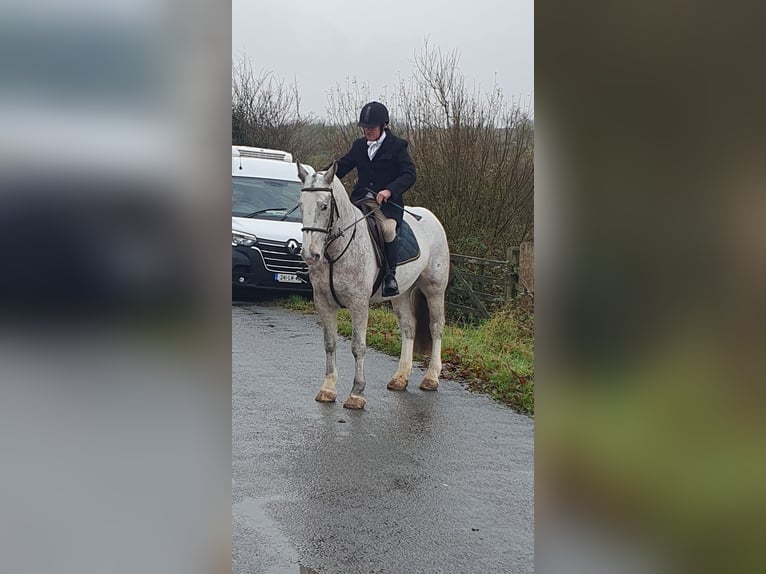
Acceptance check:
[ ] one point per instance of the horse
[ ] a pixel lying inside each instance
(343, 268)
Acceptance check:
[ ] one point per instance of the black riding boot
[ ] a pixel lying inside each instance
(390, 287)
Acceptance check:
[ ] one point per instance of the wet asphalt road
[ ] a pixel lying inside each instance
(416, 483)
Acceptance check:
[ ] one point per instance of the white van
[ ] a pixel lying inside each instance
(266, 221)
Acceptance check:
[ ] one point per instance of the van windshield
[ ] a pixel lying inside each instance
(265, 198)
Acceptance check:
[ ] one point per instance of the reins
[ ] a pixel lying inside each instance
(333, 237)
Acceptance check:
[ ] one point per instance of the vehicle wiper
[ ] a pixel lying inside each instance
(289, 212)
(254, 213)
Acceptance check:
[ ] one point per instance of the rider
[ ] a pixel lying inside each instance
(385, 171)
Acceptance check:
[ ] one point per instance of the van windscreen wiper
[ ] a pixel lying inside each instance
(260, 211)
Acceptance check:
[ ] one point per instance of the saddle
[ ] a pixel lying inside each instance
(409, 250)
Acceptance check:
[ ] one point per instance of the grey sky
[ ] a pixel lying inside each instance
(320, 44)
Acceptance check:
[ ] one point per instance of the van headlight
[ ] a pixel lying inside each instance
(239, 238)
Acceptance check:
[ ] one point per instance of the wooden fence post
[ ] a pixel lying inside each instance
(512, 256)
(527, 267)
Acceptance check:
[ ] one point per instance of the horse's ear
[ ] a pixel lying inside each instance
(302, 173)
(329, 175)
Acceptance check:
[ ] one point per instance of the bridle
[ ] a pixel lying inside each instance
(327, 230)
(333, 213)
(330, 237)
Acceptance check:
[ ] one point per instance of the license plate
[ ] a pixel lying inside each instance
(287, 278)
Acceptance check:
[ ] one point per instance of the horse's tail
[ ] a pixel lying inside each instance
(423, 341)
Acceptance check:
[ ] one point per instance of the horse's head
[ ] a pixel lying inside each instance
(319, 211)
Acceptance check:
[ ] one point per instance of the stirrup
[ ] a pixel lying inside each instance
(390, 287)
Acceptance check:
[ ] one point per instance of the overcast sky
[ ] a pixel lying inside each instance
(322, 43)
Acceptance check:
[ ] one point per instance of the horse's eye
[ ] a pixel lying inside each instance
(324, 207)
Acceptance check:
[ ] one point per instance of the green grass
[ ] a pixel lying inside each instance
(297, 303)
(495, 357)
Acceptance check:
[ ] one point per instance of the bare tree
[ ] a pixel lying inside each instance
(474, 152)
(265, 111)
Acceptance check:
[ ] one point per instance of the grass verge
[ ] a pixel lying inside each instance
(495, 357)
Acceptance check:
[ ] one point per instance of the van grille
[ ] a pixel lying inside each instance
(278, 258)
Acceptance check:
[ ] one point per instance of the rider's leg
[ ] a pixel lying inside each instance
(391, 250)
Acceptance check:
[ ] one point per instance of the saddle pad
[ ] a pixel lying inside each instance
(409, 250)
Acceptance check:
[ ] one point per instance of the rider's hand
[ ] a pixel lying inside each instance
(383, 195)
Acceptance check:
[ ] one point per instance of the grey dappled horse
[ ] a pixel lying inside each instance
(342, 266)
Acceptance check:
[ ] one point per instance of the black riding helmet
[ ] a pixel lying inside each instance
(373, 115)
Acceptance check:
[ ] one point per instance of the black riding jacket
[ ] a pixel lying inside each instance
(391, 169)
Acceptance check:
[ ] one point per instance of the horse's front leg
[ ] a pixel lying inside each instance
(359, 314)
(329, 318)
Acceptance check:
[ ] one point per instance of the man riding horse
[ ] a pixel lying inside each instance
(385, 171)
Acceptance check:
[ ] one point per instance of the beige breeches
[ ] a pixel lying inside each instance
(387, 226)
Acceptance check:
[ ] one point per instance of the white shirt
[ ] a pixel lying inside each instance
(373, 147)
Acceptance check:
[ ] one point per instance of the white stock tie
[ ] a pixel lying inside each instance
(373, 147)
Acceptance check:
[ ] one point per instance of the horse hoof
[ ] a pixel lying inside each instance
(429, 385)
(353, 402)
(325, 396)
(397, 384)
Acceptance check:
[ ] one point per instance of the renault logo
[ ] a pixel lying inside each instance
(293, 247)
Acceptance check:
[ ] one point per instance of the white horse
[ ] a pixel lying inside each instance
(343, 268)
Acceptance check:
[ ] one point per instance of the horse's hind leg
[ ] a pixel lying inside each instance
(435, 300)
(359, 315)
(329, 318)
(402, 306)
